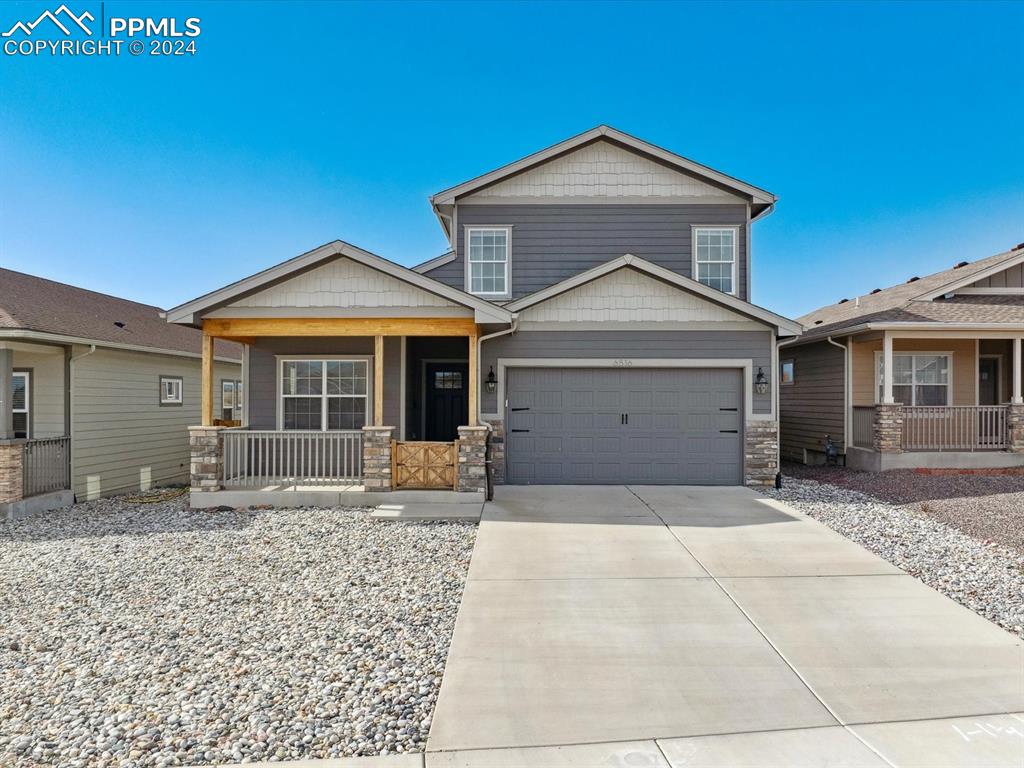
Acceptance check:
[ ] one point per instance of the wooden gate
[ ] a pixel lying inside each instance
(423, 465)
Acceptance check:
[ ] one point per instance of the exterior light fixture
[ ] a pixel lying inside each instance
(761, 382)
(492, 381)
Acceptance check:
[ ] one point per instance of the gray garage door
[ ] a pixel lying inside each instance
(607, 426)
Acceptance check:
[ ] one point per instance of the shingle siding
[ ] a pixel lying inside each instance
(812, 406)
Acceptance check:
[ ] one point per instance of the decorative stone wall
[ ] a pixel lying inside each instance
(206, 445)
(377, 458)
(1015, 428)
(888, 429)
(471, 465)
(496, 444)
(761, 453)
(10, 470)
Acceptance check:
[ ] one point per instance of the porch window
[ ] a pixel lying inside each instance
(918, 379)
(488, 250)
(324, 394)
(21, 404)
(715, 257)
(231, 399)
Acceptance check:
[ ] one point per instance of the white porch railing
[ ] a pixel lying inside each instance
(955, 428)
(45, 465)
(260, 458)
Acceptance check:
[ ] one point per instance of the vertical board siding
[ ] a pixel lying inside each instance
(965, 366)
(123, 439)
(1011, 277)
(812, 406)
(46, 390)
(632, 345)
(552, 242)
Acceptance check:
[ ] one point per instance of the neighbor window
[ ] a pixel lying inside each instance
(488, 250)
(918, 379)
(786, 371)
(231, 400)
(21, 404)
(170, 390)
(324, 394)
(715, 257)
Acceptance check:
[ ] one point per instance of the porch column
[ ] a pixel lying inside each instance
(887, 369)
(378, 381)
(1018, 399)
(474, 378)
(6, 394)
(1015, 420)
(207, 382)
(10, 449)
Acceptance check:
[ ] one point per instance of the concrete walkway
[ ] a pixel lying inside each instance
(661, 626)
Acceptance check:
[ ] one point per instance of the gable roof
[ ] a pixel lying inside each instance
(34, 307)
(760, 198)
(919, 301)
(187, 313)
(784, 326)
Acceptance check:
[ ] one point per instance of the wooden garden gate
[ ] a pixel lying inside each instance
(423, 465)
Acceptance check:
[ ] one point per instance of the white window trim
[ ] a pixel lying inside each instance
(879, 355)
(507, 293)
(164, 400)
(694, 229)
(279, 394)
(27, 410)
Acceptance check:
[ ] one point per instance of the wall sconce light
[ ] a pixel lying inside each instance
(761, 382)
(492, 381)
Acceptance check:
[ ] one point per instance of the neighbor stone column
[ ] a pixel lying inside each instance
(761, 453)
(888, 432)
(496, 445)
(377, 458)
(10, 470)
(471, 466)
(207, 466)
(1015, 428)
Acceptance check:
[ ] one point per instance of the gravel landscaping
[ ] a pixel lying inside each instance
(150, 635)
(983, 575)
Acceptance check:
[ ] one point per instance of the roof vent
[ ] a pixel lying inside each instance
(1017, 247)
(914, 279)
(817, 322)
(119, 324)
(843, 301)
(877, 290)
(960, 264)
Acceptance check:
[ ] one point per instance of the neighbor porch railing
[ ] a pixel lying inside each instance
(45, 465)
(863, 426)
(260, 458)
(955, 427)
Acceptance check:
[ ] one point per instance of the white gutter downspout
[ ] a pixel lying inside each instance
(479, 361)
(847, 394)
(71, 409)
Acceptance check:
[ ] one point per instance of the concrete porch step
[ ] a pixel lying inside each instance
(426, 512)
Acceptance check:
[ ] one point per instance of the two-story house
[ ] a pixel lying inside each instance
(591, 323)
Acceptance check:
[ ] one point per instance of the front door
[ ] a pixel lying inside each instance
(446, 400)
(988, 381)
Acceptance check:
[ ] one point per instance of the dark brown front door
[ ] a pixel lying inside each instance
(988, 381)
(446, 400)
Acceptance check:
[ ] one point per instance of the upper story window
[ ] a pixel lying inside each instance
(487, 265)
(714, 251)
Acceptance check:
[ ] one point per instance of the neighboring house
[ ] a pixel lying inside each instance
(591, 323)
(953, 341)
(95, 393)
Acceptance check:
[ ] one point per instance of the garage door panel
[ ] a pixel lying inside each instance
(684, 426)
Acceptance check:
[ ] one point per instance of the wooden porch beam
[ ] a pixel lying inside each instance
(249, 327)
(378, 381)
(207, 383)
(474, 379)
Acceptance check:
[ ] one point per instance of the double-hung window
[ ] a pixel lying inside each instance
(324, 394)
(487, 265)
(231, 399)
(21, 403)
(918, 379)
(715, 257)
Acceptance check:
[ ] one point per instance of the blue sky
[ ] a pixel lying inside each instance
(892, 133)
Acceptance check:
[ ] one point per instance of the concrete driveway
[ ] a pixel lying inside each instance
(672, 626)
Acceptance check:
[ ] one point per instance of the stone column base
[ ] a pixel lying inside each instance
(496, 444)
(206, 469)
(761, 453)
(471, 463)
(1015, 428)
(377, 459)
(11, 452)
(888, 431)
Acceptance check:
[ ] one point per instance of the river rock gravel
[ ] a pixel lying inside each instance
(151, 635)
(984, 576)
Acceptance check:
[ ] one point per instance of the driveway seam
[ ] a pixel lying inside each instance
(761, 632)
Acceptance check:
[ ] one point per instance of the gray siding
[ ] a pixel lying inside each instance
(634, 345)
(553, 242)
(262, 379)
(46, 390)
(812, 406)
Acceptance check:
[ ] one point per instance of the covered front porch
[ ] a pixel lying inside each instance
(954, 400)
